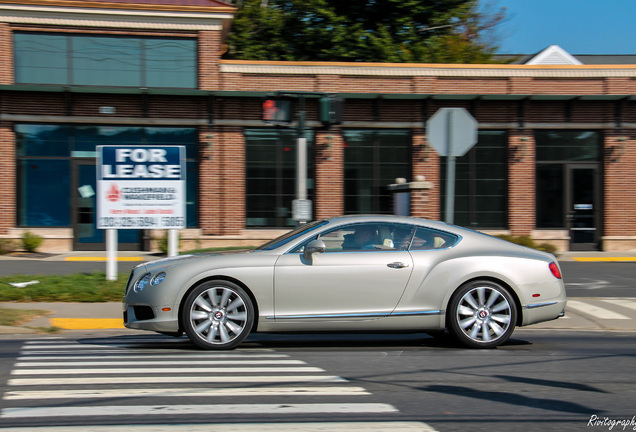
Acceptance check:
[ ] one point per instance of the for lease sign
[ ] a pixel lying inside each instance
(141, 187)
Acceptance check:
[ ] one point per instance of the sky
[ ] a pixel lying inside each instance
(577, 26)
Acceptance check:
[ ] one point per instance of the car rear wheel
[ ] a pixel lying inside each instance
(218, 315)
(482, 314)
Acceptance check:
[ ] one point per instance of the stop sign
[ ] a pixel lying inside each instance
(452, 131)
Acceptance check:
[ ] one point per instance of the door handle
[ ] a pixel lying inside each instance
(397, 265)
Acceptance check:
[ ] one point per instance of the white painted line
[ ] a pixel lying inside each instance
(185, 392)
(219, 409)
(249, 379)
(381, 426)
(629, 304)
(145, 371)
(145, 363)
(593, 310)
(210, 356)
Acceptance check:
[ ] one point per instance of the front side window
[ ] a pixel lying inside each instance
(117, 61)
(365, 237)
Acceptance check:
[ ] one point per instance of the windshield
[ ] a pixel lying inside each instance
(292, 235)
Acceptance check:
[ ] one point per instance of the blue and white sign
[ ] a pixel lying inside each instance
(141, 187)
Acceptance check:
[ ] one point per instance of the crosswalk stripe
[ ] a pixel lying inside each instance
(593, 310)
(141, 356)
(217, 409)
(145, 363)
(185, 392)
(629, 304)
(379, 426)
(177, 379)
(110, 371)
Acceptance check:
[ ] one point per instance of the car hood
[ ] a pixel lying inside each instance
(166, 263)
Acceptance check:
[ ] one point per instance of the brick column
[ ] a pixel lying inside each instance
(521, 183)
(619, 192)
(6, 55)
(222, 181)
(7, 177)
(209, 56)
(329, 182)
(425, 202)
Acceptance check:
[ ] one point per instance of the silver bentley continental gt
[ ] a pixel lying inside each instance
(351, 274)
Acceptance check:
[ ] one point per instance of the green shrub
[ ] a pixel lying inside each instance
(6, 246)
(31, 242)
(162, 243)
(528, 242)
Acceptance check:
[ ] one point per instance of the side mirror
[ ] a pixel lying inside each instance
(314, 246)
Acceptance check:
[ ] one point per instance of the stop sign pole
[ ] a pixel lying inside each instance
(451, 132)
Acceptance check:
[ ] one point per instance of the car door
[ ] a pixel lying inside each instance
(348, 281)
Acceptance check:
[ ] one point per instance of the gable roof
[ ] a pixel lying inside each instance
(554, 55)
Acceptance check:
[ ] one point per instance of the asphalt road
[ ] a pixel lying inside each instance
(539, 381)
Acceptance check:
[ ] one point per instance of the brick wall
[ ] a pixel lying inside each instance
(6, 54)
(7, 177)
(521, 183)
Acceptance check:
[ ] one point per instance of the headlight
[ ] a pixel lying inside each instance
(142, 282)
(158, 278)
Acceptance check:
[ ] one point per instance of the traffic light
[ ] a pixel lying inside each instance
(331, 110)
(277, 110)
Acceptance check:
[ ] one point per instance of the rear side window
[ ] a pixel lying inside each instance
(428, 239)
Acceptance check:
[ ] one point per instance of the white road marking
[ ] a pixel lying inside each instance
(185, 392)
(381, 426)
(217, 409)
(629, 304)
(595, 311)
(117, 371)
(145, 363)
(177, 379)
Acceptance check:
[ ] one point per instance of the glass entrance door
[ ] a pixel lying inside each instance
(86, 236)
(583, 207)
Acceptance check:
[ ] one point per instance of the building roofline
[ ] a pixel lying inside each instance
(128, 6)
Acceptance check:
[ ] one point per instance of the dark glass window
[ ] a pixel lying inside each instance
(45, 153)
(571, 146)
(373, 159)
(271, 176)
(44, 192)
(556, 151)
(42, 58)
(481, 183)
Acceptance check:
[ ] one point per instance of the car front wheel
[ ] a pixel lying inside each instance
(482, 314)
(218, 315)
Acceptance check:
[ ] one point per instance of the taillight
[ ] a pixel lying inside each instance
(555, 270)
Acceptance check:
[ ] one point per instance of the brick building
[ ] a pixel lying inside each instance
(555, 158)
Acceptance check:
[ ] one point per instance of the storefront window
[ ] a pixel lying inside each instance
(560, 153)
(373, 159)
(271, 176)
(45, 160)
(481, 183)
(116, 61)
(44, 198)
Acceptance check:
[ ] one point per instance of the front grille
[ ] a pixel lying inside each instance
(143, 313)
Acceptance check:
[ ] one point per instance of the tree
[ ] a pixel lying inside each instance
(399, 31)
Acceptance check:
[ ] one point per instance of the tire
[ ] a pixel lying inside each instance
(482, 314)
(218, 315)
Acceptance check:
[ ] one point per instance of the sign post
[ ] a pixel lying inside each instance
(451, 132)
(140, 187)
